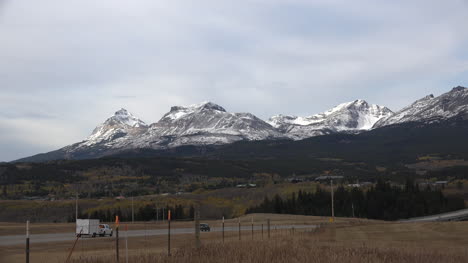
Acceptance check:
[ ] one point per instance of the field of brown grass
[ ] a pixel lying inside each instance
(301, 248)
(348, 240)
(418, 243)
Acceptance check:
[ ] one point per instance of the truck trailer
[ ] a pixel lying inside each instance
(87, 227)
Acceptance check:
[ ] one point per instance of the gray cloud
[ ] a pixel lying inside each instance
(67, 66)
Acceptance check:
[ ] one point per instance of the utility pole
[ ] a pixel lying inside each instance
(133, 214)
(76, 207)
(332, 202)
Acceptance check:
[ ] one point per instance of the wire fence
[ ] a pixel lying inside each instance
(158, 236)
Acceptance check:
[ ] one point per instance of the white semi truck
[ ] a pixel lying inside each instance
(92, 227)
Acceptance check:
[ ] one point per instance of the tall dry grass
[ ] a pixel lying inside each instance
(302, 247)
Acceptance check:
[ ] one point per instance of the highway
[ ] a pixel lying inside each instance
(59, 237)
(458, 215)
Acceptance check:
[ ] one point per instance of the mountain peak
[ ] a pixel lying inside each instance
(122, 111)
(178, 112)
(199, 106)
(458, 88)
(356, 115)
(124, 117)
(430, 108)
(360, 102)
(208, 106)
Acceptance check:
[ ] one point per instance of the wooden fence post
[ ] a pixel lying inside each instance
(197, 228)
(268, 228)
(252, 229)
(223, 229)
(262, 231)
(117, 239)
(27, 241)
(169, 233)
(239, 229)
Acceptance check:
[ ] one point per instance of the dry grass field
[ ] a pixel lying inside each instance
(348, 240)
(301, 248)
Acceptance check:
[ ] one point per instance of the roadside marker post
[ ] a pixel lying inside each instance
(169, 233)
(27, 241)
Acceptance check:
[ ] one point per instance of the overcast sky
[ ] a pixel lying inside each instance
(66, 66)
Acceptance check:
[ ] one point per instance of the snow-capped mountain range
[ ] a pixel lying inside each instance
(353, 116)
(430, 108)
(210, 124)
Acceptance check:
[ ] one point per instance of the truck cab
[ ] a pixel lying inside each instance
(105, 229)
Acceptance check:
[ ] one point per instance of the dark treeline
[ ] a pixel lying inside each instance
(145, 213)
(383, 201)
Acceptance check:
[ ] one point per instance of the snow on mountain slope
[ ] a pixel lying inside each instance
(205, 123)
(430, 108)
(352, 116)
(120, 127)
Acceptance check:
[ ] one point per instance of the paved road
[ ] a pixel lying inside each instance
(458, 215)
(58, 237)
(450, 216)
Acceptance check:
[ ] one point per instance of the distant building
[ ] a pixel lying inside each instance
(295, 180)
(328, 177)
(246, 185)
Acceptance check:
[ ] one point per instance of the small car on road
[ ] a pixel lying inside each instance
(205, 227)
